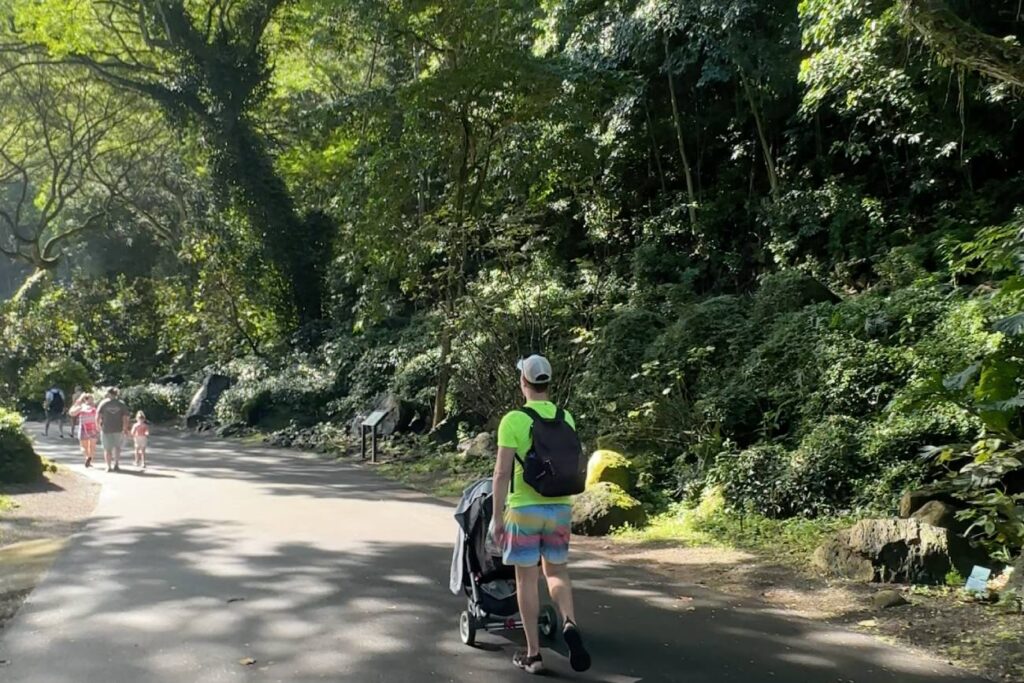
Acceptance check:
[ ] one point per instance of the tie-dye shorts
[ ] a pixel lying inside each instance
(536, 531)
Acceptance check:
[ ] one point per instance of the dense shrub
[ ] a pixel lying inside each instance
(160, 403)
(856, 377)
(619, 351)
(415, 379)
(823, 468)
(754, 480)
(19, 462)
(787, 291)
(383, 360)
(109, 325)
(814, 478)
(782, 371)
(900, 435)
(300, 392)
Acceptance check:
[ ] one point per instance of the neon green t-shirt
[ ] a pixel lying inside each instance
(514, 432)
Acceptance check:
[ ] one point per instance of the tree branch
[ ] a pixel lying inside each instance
(962, 43)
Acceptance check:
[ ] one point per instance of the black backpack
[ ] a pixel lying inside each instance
(554, 465)
(56, 402)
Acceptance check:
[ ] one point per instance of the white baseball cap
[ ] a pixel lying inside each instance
(536, 369)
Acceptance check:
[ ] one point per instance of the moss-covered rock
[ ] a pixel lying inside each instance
(612, 467)
(603, 507)
(19, 462)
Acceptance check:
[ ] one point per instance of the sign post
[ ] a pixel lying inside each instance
(371, 422)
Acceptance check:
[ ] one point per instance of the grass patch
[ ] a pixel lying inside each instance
(791, 541)
(444, 475)
(6, 504)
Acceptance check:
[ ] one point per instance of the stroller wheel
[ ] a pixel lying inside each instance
(467, 629)
(548, 623)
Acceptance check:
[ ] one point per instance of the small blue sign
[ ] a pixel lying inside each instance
(978, 580)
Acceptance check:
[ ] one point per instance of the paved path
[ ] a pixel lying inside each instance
(335, 575)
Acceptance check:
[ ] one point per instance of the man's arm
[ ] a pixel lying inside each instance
(126, 425)
(502, 477)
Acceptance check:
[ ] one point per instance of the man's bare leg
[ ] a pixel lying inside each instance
(560, 588)
(528, 593)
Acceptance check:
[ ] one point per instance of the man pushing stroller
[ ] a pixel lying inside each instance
(540, 464)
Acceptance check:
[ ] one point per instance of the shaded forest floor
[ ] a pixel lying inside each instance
(975, 636)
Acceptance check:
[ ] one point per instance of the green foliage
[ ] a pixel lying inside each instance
(786, 291)
(856, 377)
(19, 463)
(160, 402)
(814, 479)
(109, 326)
(755, 479)
(300, 392)
(64, 373)
(988, 475)
(507, 316)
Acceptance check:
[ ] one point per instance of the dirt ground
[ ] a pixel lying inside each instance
(52, 509)
(977, 637)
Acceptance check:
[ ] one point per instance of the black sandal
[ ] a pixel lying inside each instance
(531, 665)
(579, 658)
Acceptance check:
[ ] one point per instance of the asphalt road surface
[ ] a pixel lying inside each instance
(232, 563)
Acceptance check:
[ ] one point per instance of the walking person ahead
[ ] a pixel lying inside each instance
(55, 407)
(114, 421)
(538, 448)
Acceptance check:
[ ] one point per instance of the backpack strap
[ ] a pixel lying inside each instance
(535, 416)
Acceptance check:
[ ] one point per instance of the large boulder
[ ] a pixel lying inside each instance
(612, 467)
(399, 416)
(446, 431)
(835, 557)
(899, 550)
(482, 445)
(912, 501)
(1016, 582)
(604, 507)
(200, 410)
(940, 514)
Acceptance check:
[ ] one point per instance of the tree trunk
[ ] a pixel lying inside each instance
(691, 194)
(654, 148)
(769, 161)
(444, 375)
(298, 247)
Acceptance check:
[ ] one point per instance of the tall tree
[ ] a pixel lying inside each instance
(56, 131)
(207, 64)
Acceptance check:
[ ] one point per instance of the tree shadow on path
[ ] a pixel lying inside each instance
(189, 600)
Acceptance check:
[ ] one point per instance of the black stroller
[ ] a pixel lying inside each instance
(489, 584)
